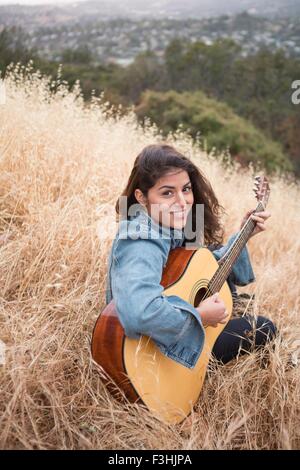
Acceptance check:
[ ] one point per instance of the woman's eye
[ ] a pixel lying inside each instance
(167, 192)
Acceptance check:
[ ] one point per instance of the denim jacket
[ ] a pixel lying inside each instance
(138, 255)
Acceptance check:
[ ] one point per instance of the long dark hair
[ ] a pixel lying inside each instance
(153, 162)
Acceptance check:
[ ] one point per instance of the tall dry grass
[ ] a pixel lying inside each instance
(62, 165)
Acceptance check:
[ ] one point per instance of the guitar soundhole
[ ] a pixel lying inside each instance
(199, 296)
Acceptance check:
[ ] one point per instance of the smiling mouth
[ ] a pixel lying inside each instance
(182, 213)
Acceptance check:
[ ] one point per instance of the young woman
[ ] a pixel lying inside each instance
(166, 187)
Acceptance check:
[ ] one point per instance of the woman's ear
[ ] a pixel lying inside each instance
(140, 197)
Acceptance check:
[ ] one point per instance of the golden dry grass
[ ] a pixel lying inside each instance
(62, 165)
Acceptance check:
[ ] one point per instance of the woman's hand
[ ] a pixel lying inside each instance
(212, 311)
(259, 218)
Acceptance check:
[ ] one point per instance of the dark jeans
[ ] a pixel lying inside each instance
(242, 335)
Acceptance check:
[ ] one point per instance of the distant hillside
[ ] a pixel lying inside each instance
(121, 40)
(50, 15)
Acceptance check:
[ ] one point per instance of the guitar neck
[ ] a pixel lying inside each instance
(227, 261)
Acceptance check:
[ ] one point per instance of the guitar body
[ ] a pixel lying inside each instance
(137, 366)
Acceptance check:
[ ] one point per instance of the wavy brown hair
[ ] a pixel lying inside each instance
(153, 162)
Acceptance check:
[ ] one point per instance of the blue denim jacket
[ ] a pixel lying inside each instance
(138, 255)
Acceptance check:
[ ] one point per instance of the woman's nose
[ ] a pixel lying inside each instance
(181, 200)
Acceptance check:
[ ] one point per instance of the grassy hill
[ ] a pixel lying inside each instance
(62, 167)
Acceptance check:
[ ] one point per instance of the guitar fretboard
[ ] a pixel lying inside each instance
(227, 261)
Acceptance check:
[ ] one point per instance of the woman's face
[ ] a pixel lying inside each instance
(170, 199)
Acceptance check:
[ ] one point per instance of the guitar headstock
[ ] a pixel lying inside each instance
(262, 189)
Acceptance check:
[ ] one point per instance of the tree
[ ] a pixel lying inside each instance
(12, 47)
(216, 123)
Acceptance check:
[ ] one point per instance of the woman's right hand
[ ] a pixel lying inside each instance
(212, 311)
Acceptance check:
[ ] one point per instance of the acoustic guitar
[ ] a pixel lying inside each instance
(136, 367)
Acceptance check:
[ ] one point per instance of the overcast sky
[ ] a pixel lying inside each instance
(36, 2)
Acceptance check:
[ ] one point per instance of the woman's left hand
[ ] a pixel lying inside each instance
(259, 218)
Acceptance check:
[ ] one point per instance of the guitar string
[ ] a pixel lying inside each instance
(235, 250)
(241, 237)
(225, 265)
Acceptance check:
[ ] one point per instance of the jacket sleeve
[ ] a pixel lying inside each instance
(138, 295)
(242, 272)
